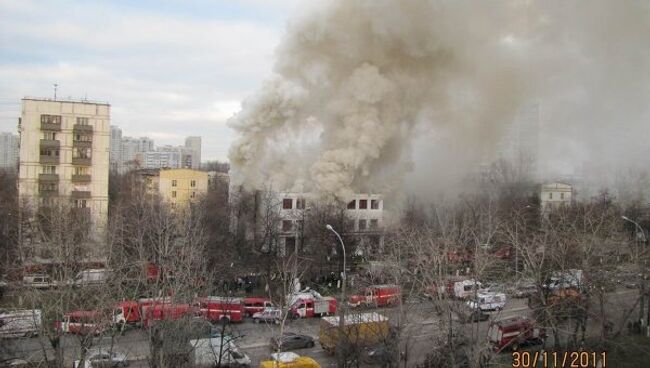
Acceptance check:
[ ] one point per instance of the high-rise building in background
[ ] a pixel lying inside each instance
(194, 143)
(9, 144)
(129, 153)
(64, 156)
(162, 159)
(132, 151)
(115, 157)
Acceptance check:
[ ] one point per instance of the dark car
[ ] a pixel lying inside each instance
(467, 314)
(379, 356)
(290, 341)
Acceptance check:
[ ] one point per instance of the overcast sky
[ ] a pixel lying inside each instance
(169, 68)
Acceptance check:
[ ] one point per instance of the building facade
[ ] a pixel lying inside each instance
(180, 187)
(115, 157)
(9, 146)
(64, 156)
(132, 153)
(554, 195)
(194, 145)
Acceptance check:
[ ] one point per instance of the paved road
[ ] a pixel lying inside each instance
(421, 326)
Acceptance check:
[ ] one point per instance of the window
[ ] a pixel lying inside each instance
(374, 204)
(363, 204)
(362, 225)
(80, 170)
(80, 203)
(300, 203)
(46, 187)
(193, 195)
(286, 225)
(49, 136)
(49, 169)
(81, 152)
(374, 223)
(561, 195)
(352, 205)
(287, 203)
(50, 119)
(290, 243)
(83, 138)
(174, 194)
(174, 183)
(82, 121)
(550, 195)
(193, 183)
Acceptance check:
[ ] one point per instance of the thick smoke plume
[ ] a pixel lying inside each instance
(356, 81)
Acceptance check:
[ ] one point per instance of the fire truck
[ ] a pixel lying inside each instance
(309, 303)
(165, 312)
(514, 332)
(254, 305)
(377, 296)
(127, 312)
(82, 323)
(220, 309)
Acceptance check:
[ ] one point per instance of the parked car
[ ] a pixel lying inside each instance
(92, 277)
(487, 301)
(466, 314)
(38, 281)
(290, 341)
(379, 356)
(20, 323)
(269, 314)
(100, 358)
(524, 290)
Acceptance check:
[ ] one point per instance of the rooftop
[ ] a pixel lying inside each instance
(72, 100)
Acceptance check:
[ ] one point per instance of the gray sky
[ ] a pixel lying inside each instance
(169, 68)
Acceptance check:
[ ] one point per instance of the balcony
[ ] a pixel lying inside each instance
(49, 192)
(83, 161)
(81, 128)
(81, 178)
(80, 194)
(46, 159)
(82, 144)
(50, 143)
(53, 127)
(48, 177)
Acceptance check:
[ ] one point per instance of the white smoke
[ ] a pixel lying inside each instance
(356, 80)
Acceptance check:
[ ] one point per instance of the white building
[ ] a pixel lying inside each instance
(9, 145)
(162, 159)
(364, 211)
(554, 195)
(132, 150)
(64, 155)
(194, 144)
(115, 156)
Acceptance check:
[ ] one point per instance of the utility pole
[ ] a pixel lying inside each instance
(55, 87)
(339, 352)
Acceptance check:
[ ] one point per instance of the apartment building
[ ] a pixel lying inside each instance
(9, 144)
(365, 213)
(180, 187)
(194, 145)
(64, 156)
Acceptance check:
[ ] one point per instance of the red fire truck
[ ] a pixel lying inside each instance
(82, 323)
(377, 296)
(514, 332)
(127, 313)
(219, 309)
(254, 305)
(165, 312)
(309, 303)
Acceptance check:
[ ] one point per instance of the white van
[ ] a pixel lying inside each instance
(92, 277)
(487, 301)
(19, 323)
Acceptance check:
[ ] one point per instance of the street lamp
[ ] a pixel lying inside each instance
(643, 277)
(343, 299)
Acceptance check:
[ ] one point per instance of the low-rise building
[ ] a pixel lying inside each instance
(179, 187)
(554, 195)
